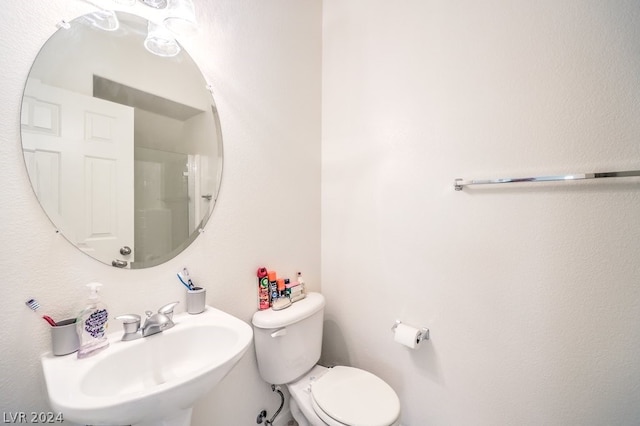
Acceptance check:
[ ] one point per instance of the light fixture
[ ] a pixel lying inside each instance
(103, 19)
(181, 17)
(156, 4)
(160, 41)
(167, 19)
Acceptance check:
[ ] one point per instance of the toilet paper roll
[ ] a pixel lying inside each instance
(407, 335)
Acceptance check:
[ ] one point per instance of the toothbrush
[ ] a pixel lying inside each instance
(187, 278)
(183, 281)
(34, 306)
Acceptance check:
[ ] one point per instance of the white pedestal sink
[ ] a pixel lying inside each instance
(151, 381)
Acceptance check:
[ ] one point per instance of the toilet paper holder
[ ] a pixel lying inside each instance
(423, 335)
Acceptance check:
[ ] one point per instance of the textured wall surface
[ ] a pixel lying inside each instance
(263, 60)
(531, 291)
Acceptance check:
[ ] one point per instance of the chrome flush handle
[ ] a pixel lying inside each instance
(119, 263)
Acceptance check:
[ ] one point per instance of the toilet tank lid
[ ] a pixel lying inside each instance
(299, 310)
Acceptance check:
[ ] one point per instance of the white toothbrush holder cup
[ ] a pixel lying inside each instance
(64, 338)
(196, 299)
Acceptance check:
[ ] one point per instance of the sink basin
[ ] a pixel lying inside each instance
(153, 379)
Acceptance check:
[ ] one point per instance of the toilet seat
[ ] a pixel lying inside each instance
(346, 396)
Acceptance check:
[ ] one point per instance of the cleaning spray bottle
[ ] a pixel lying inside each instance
(91, 324)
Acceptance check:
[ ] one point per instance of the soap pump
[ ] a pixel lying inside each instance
(91, 324)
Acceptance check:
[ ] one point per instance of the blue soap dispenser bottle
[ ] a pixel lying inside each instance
(92, 323)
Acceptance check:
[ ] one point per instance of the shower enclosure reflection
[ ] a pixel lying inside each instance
(168, 200)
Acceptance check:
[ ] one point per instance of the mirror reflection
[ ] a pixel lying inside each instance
(123, 147)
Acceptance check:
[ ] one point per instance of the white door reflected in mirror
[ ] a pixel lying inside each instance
(69, 138)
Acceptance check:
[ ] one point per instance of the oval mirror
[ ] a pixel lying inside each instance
(121, 140)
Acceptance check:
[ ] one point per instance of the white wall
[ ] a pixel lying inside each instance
(263, 59)
(531, 292)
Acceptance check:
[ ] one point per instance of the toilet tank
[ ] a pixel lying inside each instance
(288, 342)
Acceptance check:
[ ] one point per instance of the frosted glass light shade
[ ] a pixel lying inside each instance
(160, 42)
(102, 19)
(181, 17)
(156, 4)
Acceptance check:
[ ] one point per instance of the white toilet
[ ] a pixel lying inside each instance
(288, 345)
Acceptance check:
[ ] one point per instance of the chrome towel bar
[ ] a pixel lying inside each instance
(459, 184)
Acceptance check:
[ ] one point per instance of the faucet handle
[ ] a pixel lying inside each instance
(168, 309)
(130, 325)
(129, 318)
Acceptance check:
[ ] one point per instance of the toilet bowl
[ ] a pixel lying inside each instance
(288, 344)
(345, 396)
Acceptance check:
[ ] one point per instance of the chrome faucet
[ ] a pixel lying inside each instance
(154, 323)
